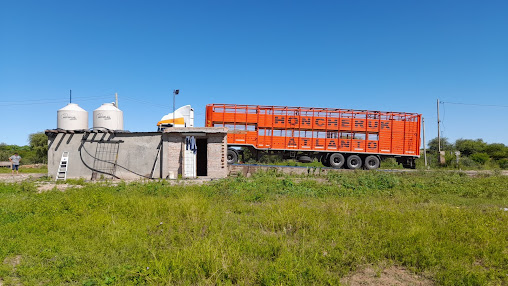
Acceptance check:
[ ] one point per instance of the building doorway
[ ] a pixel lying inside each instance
(202, 157)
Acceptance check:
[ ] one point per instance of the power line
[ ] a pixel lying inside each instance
(474, 104)
(144, 102)
(49, 99)
(40, 102)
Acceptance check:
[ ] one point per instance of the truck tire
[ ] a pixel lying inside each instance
(371, 162)
(336, 160)
(354, 162)
(324, 159)
(305, 159)
(232, 156)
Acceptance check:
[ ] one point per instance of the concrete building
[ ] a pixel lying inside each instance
(187, 152)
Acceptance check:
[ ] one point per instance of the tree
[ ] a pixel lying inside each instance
(497, 151)
(445, 145)
(468, 146)
(39, 144)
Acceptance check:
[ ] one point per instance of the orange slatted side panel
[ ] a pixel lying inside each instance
(412, 140)
(318, 129)
(385, 136)
(398, 137)
(345, 145)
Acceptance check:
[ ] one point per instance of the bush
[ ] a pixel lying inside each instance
(503, 163)
(468, 162)
(480, 158)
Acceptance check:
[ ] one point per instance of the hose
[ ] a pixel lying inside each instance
(102, 172)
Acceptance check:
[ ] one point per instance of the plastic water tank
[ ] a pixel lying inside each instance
(108, 116)
(72, 117)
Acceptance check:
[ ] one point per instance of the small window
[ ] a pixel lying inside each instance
(332, 135)
(239, 127)
(372, 116)
(359, 136)
(261, 131)
(218, 125)
(333, 114)
(373, 136)
(347, 114)
(346, 135)
(278, 132)
(251, 127)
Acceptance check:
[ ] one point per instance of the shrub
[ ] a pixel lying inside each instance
(468, 162)
(503, 163)
(480, 158)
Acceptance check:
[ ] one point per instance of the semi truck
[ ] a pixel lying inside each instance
(337, 137)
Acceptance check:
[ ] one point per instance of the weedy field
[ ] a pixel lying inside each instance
(268, 229)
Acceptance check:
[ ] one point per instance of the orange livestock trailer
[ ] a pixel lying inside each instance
(338, 137)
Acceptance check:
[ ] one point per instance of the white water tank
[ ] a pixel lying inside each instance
(72, 117)
(108, 116)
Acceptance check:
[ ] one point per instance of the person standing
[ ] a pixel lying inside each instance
(15, 162)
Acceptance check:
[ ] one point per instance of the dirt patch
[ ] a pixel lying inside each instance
(13, 261)
(50, 186)
(394, 275)
(33, 166)
(12, 279)
(9, 178)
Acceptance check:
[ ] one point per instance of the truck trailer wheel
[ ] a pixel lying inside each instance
(232, 156)
(354, 162)
(371, 162)
(305, 159)
(324, 159)
(336, 160)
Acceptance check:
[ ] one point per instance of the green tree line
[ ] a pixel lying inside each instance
(473, 153)
(35, 152)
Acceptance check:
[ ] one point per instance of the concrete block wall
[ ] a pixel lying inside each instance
(217, 147)
(139, 152)
(174, 159)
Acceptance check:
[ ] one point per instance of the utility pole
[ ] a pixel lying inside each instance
(175, 92)
(424, 144)
(116, 100)
(70, 95)
(438, 131)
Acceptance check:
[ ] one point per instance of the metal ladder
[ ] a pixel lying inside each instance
(62, 168)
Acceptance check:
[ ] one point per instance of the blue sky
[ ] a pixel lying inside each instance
(376, 55)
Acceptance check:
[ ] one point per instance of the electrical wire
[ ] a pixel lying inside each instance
(95, 158)
(444, 116)
(86, 165)
(51, 99)
(474, 104)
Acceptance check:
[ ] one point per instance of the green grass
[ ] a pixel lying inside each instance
(23, 170)
(268, 229)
